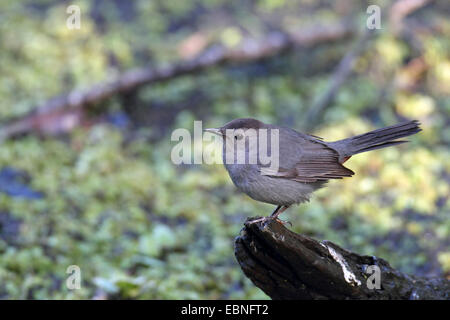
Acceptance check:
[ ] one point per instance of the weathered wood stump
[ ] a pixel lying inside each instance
(286, 265)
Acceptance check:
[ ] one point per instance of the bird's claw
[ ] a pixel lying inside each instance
(283, 222)
(263, 219)
(258, 220)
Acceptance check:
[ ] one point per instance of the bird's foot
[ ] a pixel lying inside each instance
(283, 222)
(274, 216)
(264, 219)
(258, 220)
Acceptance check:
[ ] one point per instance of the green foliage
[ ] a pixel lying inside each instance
(140, 227)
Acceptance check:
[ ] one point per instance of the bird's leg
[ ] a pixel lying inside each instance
(273, 213)
(277, 212)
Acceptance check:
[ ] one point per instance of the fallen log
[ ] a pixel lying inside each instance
(249, 50)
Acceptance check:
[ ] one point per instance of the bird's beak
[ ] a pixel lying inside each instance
(214, 130)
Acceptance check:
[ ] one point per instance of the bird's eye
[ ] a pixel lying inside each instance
(238, 137)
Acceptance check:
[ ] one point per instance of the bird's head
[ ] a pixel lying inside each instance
(237, 128)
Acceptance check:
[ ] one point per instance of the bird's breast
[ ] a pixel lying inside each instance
(242, 174)
(278, 191)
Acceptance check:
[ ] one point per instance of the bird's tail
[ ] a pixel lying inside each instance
(380, 138)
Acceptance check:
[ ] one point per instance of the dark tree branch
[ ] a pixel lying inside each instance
(249, 50)
(286, 265)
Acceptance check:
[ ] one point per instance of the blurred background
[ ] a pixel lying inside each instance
(86, 117)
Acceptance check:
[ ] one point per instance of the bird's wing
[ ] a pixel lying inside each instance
(316, 162)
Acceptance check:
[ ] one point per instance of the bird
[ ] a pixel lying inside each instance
(305, 162)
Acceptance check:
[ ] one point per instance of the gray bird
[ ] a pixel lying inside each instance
(305, 162)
